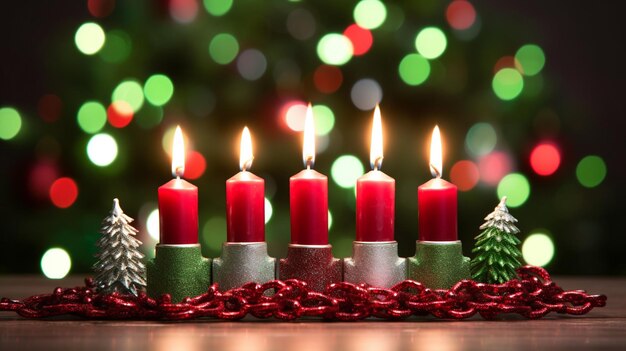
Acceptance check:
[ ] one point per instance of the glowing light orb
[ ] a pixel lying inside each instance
(10, 123)
(465, 175)
(217, 7)
(460, 14)
(515, 187)
(102, 149)
(370, 14)
(330, 220)
(545, 159)
(345, 171)
(120, 114)
(414, 69)
(56, 263)
(223, 48)
(431, 42)
(117, 47)
(195, 165)
(494, 166)
(335, 49)
(361, 39)
(481, 139)
(63, 192)
(538, 249)
(269, 210)
(91, 117)
(158, 89)
(366, 94)
(131, 92)
(153, 225)
(327, 78)
(324, 119)
(531, 59)
(591, 171)
(507, 84)
(251, 64)
(89, 38)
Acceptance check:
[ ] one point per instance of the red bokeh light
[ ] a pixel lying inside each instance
(465, 175)
(494, 166)
(41, 177)
(545, 159)
(361, 39)
(183, 11)
(327, 79)
(460, 14)
(100, 8)
(49, 107)
(506, 62)
(63, 192)
(195, 165)
(119, 114)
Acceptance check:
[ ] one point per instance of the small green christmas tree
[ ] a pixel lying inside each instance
(496, 248)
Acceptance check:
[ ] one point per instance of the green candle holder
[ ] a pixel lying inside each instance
(439, 264)
(178, 270)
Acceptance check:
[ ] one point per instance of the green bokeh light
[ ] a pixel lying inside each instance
(414, 69)
(214, 233)
(223, 48)
(217, 7)
(370, 14)
(481, 139)
(538, 249)
(89, 38)
(334, 49)
(117, 47)
(345, 171)
(324, 119)
(10, 123)
(131, 92)
(158, 89)
(150, 116)
(591, 171)
(516, 188)
(91, 117)
(531, 58)
(507, 84)
(431, 42)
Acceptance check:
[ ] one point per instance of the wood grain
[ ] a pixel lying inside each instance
(603, 328)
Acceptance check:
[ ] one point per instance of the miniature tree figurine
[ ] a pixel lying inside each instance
(496, 248)
(120, 267)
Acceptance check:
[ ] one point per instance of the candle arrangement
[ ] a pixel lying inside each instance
(374, 282)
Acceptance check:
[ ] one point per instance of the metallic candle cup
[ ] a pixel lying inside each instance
(439, 264)
(375, 263)
(243, 263)
(313, 264)
(178, 270)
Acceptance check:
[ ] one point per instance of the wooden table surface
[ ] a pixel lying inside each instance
(603, 328)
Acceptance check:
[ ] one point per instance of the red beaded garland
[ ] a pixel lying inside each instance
(533, 296)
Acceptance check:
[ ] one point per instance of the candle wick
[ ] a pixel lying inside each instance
(247, 165)
(179, 172)
(309, 162)
(434, 171)
(378, 163)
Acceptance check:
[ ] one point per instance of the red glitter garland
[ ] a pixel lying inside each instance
(533, 296)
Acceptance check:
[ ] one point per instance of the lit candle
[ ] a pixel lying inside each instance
(375, 194)
(308, 195)
(437, 200)
(178, 201)
(245, 202)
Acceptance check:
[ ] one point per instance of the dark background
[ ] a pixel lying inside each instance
(583, 86)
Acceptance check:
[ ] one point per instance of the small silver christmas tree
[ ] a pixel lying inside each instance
(497, 254)
(120, 267)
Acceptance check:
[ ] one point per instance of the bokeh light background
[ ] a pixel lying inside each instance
(526, 94)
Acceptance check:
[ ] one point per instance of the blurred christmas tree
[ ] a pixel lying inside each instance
(122, 77)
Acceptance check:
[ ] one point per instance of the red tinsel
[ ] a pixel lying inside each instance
(533, 296)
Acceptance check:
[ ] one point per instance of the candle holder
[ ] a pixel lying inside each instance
(313, 264)
(439, 264)
(178, 270)
(242, 263)
(375, 263)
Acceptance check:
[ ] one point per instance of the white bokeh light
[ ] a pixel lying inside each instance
(102, 149)
(152, 224)
(538, 249)
(56, 263)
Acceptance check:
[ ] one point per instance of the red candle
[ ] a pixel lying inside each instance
(245, 201)
(308, 195)
(437, 200)
(375, 194)
(178, 202)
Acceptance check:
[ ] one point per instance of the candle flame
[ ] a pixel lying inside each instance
(376, 144)
(308, 147)
(245, 150)
(436, 162)
(178, 154)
